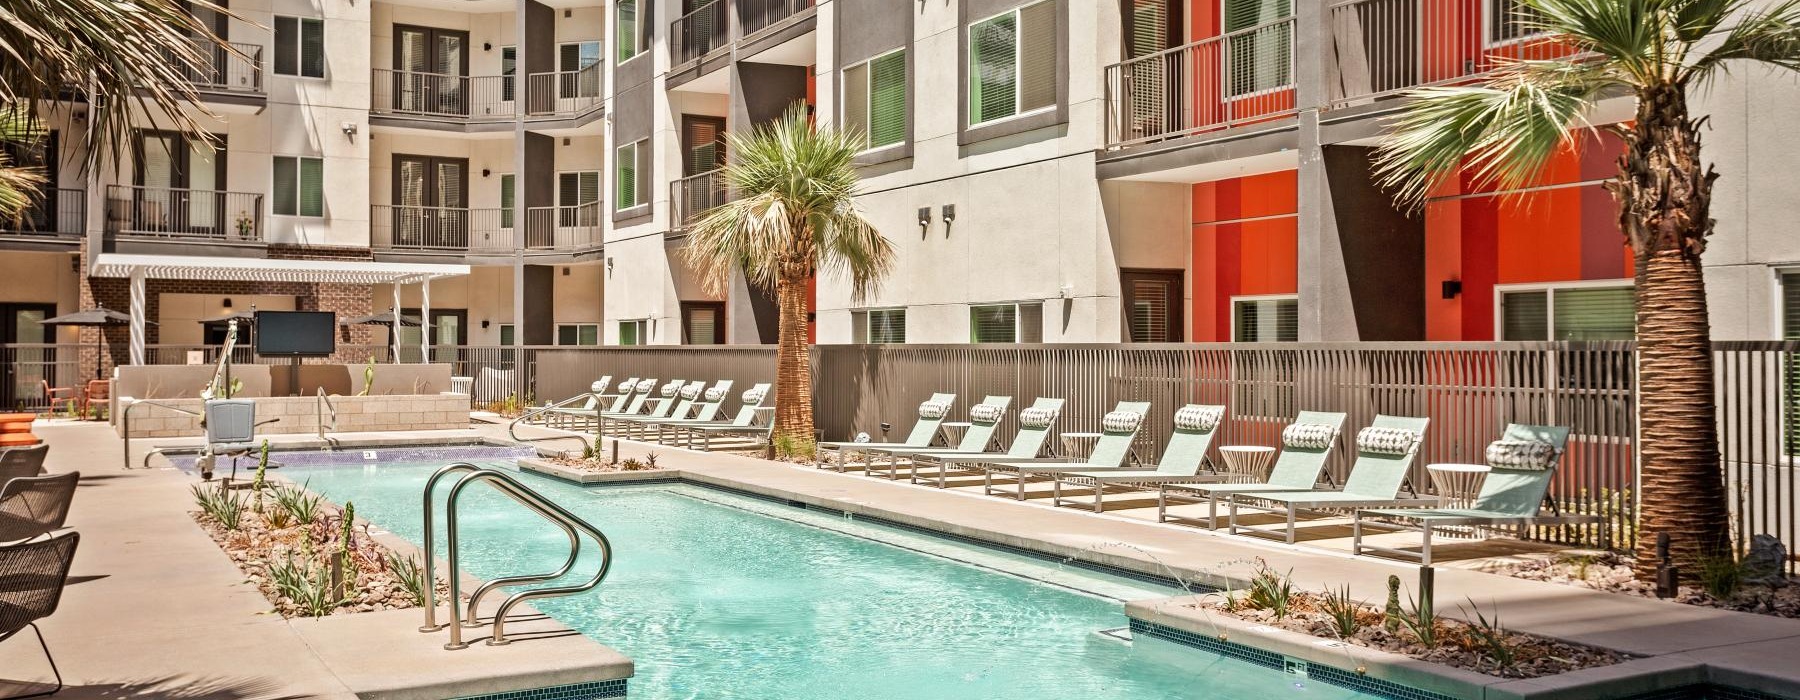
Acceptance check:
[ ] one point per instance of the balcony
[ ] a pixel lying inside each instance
(565, 94)
(234, 69)
(691, 196)
(1385, 47)
(757, 15)
(61, 214)
(698, 33)
(183, 215)
(462, 231)
(1236, 78)
(440, 97)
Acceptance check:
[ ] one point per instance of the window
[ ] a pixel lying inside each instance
(573, 61)
(631, 175)
(634, 332)
(1568, 313)
(1012, 63)
(1261, 53)
(634, 31)
(1265, 319)
(509, 70)
(578, 334)
(577, 198)
(1790, 330)
(299, 186)
(878, 326)
(703, 322)
(875, 99)
(1509, 20)
(1006, 323)
(300, 47)
(1153, 305)
(506, 334)
(506, 200)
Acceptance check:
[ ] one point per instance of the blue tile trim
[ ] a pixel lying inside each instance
(593, 690)
(1320, 672)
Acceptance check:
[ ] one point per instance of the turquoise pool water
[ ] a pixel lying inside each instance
(719, 596)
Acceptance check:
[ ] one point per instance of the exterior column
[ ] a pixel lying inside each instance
(1326, 313)
(425, 318)
(137, 317)
(394, 328)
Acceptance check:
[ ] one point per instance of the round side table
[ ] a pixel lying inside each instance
(1247, 464)
(1457, 484)
(953, 432)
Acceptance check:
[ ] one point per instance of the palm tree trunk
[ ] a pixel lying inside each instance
(1665, 195)
(793, 434)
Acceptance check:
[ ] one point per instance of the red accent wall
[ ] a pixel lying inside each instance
(1561, 234)
(1233, 257)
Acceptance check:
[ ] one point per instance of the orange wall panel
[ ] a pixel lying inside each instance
(1245, 242)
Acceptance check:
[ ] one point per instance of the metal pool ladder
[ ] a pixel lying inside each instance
(525, 496)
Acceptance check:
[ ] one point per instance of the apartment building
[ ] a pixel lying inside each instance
(1049, 171)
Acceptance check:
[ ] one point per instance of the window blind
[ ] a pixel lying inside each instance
(1149, 311)
(506, 200)
(702, 325)
(1031, 323)
(312, 187)
(1267, 321)
(625, 177)
(287, 46)
(286, 179)
(1594, 314)
(628, 33)
(856, 100)
(1260, 59)
(886, 326)
(1508, 20)
(1525, 316)
(993, 68)
(1037, 56)
(509, 67)
(633, 333)
(312, 48)
(1790, 306)
(887, 100)
(995, 323)
(1790, 329)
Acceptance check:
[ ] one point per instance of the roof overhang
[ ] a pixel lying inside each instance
(225, 269)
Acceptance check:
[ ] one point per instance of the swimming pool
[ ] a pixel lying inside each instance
(715, 595)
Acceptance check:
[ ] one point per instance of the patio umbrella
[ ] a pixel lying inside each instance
(387, 318)
(97, 318)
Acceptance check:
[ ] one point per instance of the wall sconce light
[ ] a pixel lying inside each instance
(484, 172)
(924, 220)
(1451, 288)
(487, 46)
(484, 324)
(565, 141)
(567, 13)
(949, 213)
(565, 271)
(609, 265)
(350, 130)
(227, 302)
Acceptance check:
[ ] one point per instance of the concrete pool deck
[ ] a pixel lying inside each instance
(155, 609)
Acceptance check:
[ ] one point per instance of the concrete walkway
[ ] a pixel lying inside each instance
(155, 609)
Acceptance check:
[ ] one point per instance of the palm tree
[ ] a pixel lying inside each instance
(795, 215)
(18, 184)
(1506, 128)
(120, 58)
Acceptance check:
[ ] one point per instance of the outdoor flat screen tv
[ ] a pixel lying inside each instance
(296, 333)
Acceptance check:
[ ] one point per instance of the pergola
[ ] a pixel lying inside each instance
(140, 268)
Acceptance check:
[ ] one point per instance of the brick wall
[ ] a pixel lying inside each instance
(115, 293)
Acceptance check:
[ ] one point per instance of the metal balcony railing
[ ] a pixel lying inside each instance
(443, 96)
(59, 212)
(1227, 80)
(446, 229)
(693, 195)
(567, 227)
(166, 212)
(757, 15)
(235, 67)
(697, 33)
(565, 93)
(1384, 47)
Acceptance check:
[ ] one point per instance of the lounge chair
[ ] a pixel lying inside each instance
(31, 506)
(639, 393)
(34, 574)
(924, 432)
(1034, 432)
(18, 462)
(1117, 431)
(746, 422)
(1385, 452)
(669, 396)
(702, 407)
(616, 401)
(1305, 448)
(1195, 426)
(984, 420)
(1522, 462)
(588, 409)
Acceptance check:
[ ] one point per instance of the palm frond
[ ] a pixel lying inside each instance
(126, 60)
(1770, 35)
(795, 211)
(19, 186)
(1628, 33)
(1501, 133)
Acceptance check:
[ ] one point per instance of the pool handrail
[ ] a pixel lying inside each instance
(524, 495)
(512, 429)
(125, 417)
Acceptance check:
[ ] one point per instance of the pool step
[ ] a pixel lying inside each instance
(1121, 635)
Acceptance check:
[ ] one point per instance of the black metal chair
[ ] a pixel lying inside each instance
(35, 505)
(22, 461)
(32, 575)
